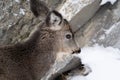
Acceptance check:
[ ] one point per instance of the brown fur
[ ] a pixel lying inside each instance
(23, 59)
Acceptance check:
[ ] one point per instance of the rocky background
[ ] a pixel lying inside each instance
(103, 28)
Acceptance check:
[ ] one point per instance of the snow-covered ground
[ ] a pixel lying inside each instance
(104, 62)
(105, 1)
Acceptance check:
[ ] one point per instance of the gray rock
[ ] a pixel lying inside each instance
(17, 21)
(13, 17)
(84, 15)
(58, 68)
(102, 29)
(78, 12)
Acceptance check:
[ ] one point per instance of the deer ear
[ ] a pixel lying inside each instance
(54, 20)
(38, 8)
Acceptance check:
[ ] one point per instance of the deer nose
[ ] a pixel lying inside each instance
(76, 51)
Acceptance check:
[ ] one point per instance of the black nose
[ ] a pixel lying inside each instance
(76, 51)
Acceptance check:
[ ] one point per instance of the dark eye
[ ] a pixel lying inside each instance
(68, 36)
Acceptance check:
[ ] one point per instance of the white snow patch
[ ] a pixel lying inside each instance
(104, 62)
(22, 11)
(78, 78)
(105, 1)
(9, 25)
(15, 14)
(102, 37)
(18, 1)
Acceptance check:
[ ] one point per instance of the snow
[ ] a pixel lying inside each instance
(22, 11)
(104, 62)
(105, 1)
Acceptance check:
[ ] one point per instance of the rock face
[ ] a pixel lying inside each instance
(103, 28)
(17, 21)
(78, 12)
(67, 64)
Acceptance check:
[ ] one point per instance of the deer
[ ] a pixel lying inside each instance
(33, 58)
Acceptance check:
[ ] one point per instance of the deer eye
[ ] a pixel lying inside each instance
(68, 36)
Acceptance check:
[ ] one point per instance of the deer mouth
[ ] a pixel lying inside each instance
(76, 51)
